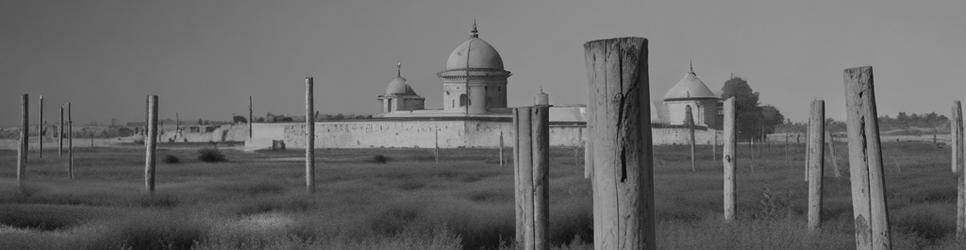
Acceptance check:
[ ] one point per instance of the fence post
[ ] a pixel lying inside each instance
(523, 175)
(623, 182)
(70, 141)
(152, 143)
(41, 129)
(251, 118)
(728, 159)
(309, 135)
(501, 149)
(714, 145)
(540, 138)
(831, 150)
(957, 165)
(689, 119)
(816, 143)
(60, 136)
(865, 161)
(24, 141)
(436, 145)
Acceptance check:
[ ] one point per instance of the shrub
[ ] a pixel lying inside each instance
(380, 159)
(211, 155)
(170, 159)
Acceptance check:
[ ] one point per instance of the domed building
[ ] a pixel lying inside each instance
(474, 81)
(400, 96)
(691, 92)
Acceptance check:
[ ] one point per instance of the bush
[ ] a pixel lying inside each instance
(170, 159)
(379, 159)
(211, 155)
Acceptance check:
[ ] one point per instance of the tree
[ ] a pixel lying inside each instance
(751, 118)
(239, 119)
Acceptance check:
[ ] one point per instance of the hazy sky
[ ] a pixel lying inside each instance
(204, 58)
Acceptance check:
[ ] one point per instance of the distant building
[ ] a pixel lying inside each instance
(474, 111)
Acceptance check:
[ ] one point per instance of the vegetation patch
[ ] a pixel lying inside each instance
(211, 155)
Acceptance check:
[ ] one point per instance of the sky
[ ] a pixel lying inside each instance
(205, 58)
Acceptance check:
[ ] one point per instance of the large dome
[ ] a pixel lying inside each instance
(689, 87)
(474, 53)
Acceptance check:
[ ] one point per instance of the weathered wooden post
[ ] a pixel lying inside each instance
(807, 153)
(728, 159)
(957, 164)
(540, 139)
(70, 142)
(714, 145)
(309, 135)
(689, 119)
(24, 141)
(831, 150)
(436, 145)
(60, 136)
(152, 143)
(865, 162)
(41, 129)
(816, 142)
(501, 149)
(623, 182)
(956, 125)
(523, 174)
(251, 118)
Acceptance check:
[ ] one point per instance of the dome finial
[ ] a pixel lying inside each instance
(474, 32)
(398, 68)
(691, 62)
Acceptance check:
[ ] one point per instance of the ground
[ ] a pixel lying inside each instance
(402, 199)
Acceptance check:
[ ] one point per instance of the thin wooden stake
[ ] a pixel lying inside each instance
(436, 145)
(832, 157)
(70, 141)
(957, 166)
(41, 129)
(251, 117)
(501, 149)
(60, 136)
(309, 135)
(24, 141)
(714, 145)
(689, 119)
(816, 142)
(152, 144)
(729, 159)
(623, 181)
(865, 162)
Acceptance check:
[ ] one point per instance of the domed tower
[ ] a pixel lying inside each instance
(690, 91)
(399, 95)
(541, 98)
(474, 81)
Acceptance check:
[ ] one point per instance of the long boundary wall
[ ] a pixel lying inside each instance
(419, 134)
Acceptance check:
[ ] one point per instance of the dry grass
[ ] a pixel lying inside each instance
(257, 202)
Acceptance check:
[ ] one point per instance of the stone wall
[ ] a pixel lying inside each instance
(420, 134)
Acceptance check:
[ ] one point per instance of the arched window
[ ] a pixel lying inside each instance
(463, 100)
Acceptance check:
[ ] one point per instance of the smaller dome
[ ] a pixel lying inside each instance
(689, 87)
(541, 98)
(398, 86)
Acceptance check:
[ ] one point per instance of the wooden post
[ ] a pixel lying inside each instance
(956, 125)
(60, 135)
(540, 138)
(689, 119)
(152, 144)
(623, 181)
(501, 149)
(92, 141)
(436, 145)
(728, 159)
(41, 129)
(816, 142)
(251, 117)
(714, 145)
(523, 175)
(787, 160)
(24, 141)
(70, 141)
(832, 157)
(957, 143)
(807, 152)
(589, 133)
(309, 135)
(865, 162)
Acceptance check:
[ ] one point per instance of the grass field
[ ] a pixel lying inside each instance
(257, 201)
